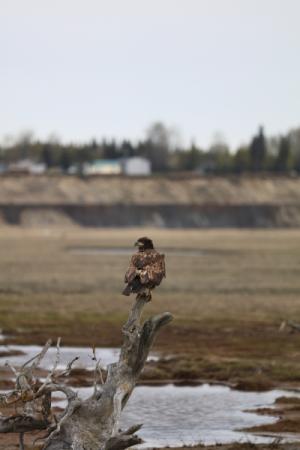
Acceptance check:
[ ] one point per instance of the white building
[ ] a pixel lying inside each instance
(103, 167)
(136, 166)
(27, 166)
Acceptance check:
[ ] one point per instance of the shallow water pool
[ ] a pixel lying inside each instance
(174, 415)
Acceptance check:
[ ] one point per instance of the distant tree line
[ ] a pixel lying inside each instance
(274, 154)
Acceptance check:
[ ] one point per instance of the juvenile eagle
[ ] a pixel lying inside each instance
(146, 269)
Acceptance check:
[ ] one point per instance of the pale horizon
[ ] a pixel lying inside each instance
(98, 69)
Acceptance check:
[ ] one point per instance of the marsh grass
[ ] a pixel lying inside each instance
(228, 301)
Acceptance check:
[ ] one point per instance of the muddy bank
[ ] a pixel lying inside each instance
(245, 446)
(287, 409)
(257, 359)
(172, 215)
(10, 443)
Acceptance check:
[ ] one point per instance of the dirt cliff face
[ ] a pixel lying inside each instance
(193, 202)
(160, 216)
(159, 190)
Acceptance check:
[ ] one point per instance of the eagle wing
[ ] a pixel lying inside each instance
(154, 269)
(131, 272)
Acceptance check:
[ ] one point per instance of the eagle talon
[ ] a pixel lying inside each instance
(148, 297)
(144, 296)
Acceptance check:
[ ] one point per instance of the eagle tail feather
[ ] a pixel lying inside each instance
(126, 290)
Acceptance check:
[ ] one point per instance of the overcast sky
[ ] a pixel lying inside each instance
(95, 68)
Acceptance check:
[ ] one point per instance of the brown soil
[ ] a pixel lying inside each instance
(245, 446)
(288, 410)
(6, 353)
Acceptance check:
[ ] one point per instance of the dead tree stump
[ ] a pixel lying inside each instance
(93, 423)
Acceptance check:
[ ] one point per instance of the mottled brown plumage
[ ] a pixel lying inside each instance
(146, 269)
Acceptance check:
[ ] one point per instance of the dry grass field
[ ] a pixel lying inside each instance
(229, 290)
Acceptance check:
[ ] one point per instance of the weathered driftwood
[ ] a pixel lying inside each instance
(90, 424)
(290, 324)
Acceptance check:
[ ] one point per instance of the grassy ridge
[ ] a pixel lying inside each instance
(153, 190)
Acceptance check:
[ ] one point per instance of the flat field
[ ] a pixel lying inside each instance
(229, 291)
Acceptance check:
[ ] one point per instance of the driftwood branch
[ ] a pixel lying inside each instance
(85, 424)
(290, 324)
(124, 439)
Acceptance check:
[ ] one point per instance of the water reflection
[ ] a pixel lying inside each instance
(67, 354)
(175, 416)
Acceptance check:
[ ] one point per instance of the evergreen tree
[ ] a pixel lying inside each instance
(241, 161)
(258, 151)
(283, 157)
(65, 161)
(127, 150)
(157, 147)
(193, 158)
(47, 157)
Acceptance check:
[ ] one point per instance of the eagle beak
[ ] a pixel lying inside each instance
(138, 244)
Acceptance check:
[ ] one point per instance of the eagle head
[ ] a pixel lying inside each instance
(144, 243)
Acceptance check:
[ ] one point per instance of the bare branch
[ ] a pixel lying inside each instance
(11, 367)
(290, 324)
(68, 369)
(132, 429)
(54, 387)
(122, 441)
(21, 424)
(148, 333)
(50, 374)
(37, 359)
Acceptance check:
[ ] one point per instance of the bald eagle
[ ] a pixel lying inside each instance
(146, 269)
